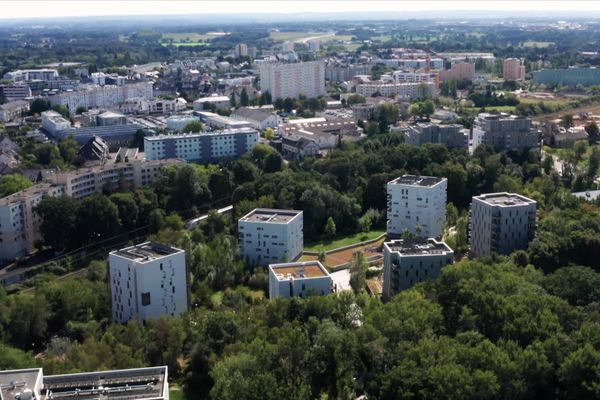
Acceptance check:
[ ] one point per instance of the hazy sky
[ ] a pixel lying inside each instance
(48, 8)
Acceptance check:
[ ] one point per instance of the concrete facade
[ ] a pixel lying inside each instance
(148, 280)
(298, 279)
(408, 262)
(416, 202)
(271, 236)
(501, 223)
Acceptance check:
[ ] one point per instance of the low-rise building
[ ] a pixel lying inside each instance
(271, 236)
(501, 223)
(417, 204)
(216, 121)
(296, 148)
(220, 102)
(148, 280)
(201, 147)
(132, 384)
(13, 110)
(110, 118)
(452, 135)
(298, 279)
(407, 262)
(95, 149)
(179, 122)
(326, 133)
(259, 119)
(54, 123)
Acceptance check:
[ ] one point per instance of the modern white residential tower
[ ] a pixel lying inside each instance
(417, 204)
(268, 236)
(147, 281)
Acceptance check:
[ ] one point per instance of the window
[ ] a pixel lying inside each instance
(146, 299)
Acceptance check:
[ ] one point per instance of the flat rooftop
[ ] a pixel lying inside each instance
(16, 381)
(130, 384)
(504, 199)
(298, 270)
(40, 188)
(234, 131)
(414, 247)
(415, 180)
(146, 251)
(268, 215)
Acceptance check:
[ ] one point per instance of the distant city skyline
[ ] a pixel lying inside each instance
(66, 9)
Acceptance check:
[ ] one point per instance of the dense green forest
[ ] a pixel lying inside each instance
(524, 326)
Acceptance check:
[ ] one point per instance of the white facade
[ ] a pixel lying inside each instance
(13, 110)
(19, 225)
(148, 280)
(217, 121)
(412, 77)
(53, 122)
(259, 119)
(408, 91)
(299, 279)
(202, 147)
(31, 75)
(501, 223)
(271, 236)
(408, 262)
(417, 202)
(220, 102)
(293, 79)
(106, 96)
(178, 122)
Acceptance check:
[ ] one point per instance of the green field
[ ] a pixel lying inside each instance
(342, 241)
(382, 38)
(539, 45)
(492, 108)
(175, 393)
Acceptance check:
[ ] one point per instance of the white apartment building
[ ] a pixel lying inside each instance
(149, 383)
(417, 204)
(407, 91)
(148, 280)
(13, 110)
(22, 75)
(53, 122)
(299, 279)
(292, 79)
(106, 96)
(314, 46)
(287, 46)
(220, 102)
(201, 147)
(86, 181)
(271, 236)
(412, 77)
(141, 105)
(407, 262)
(501, 223)
(19, 225)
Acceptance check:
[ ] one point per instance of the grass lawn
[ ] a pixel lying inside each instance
(175, 393)
(550, 102)
(539, 45)
(342, 241)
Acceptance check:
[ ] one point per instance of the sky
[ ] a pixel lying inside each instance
(47, 8)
